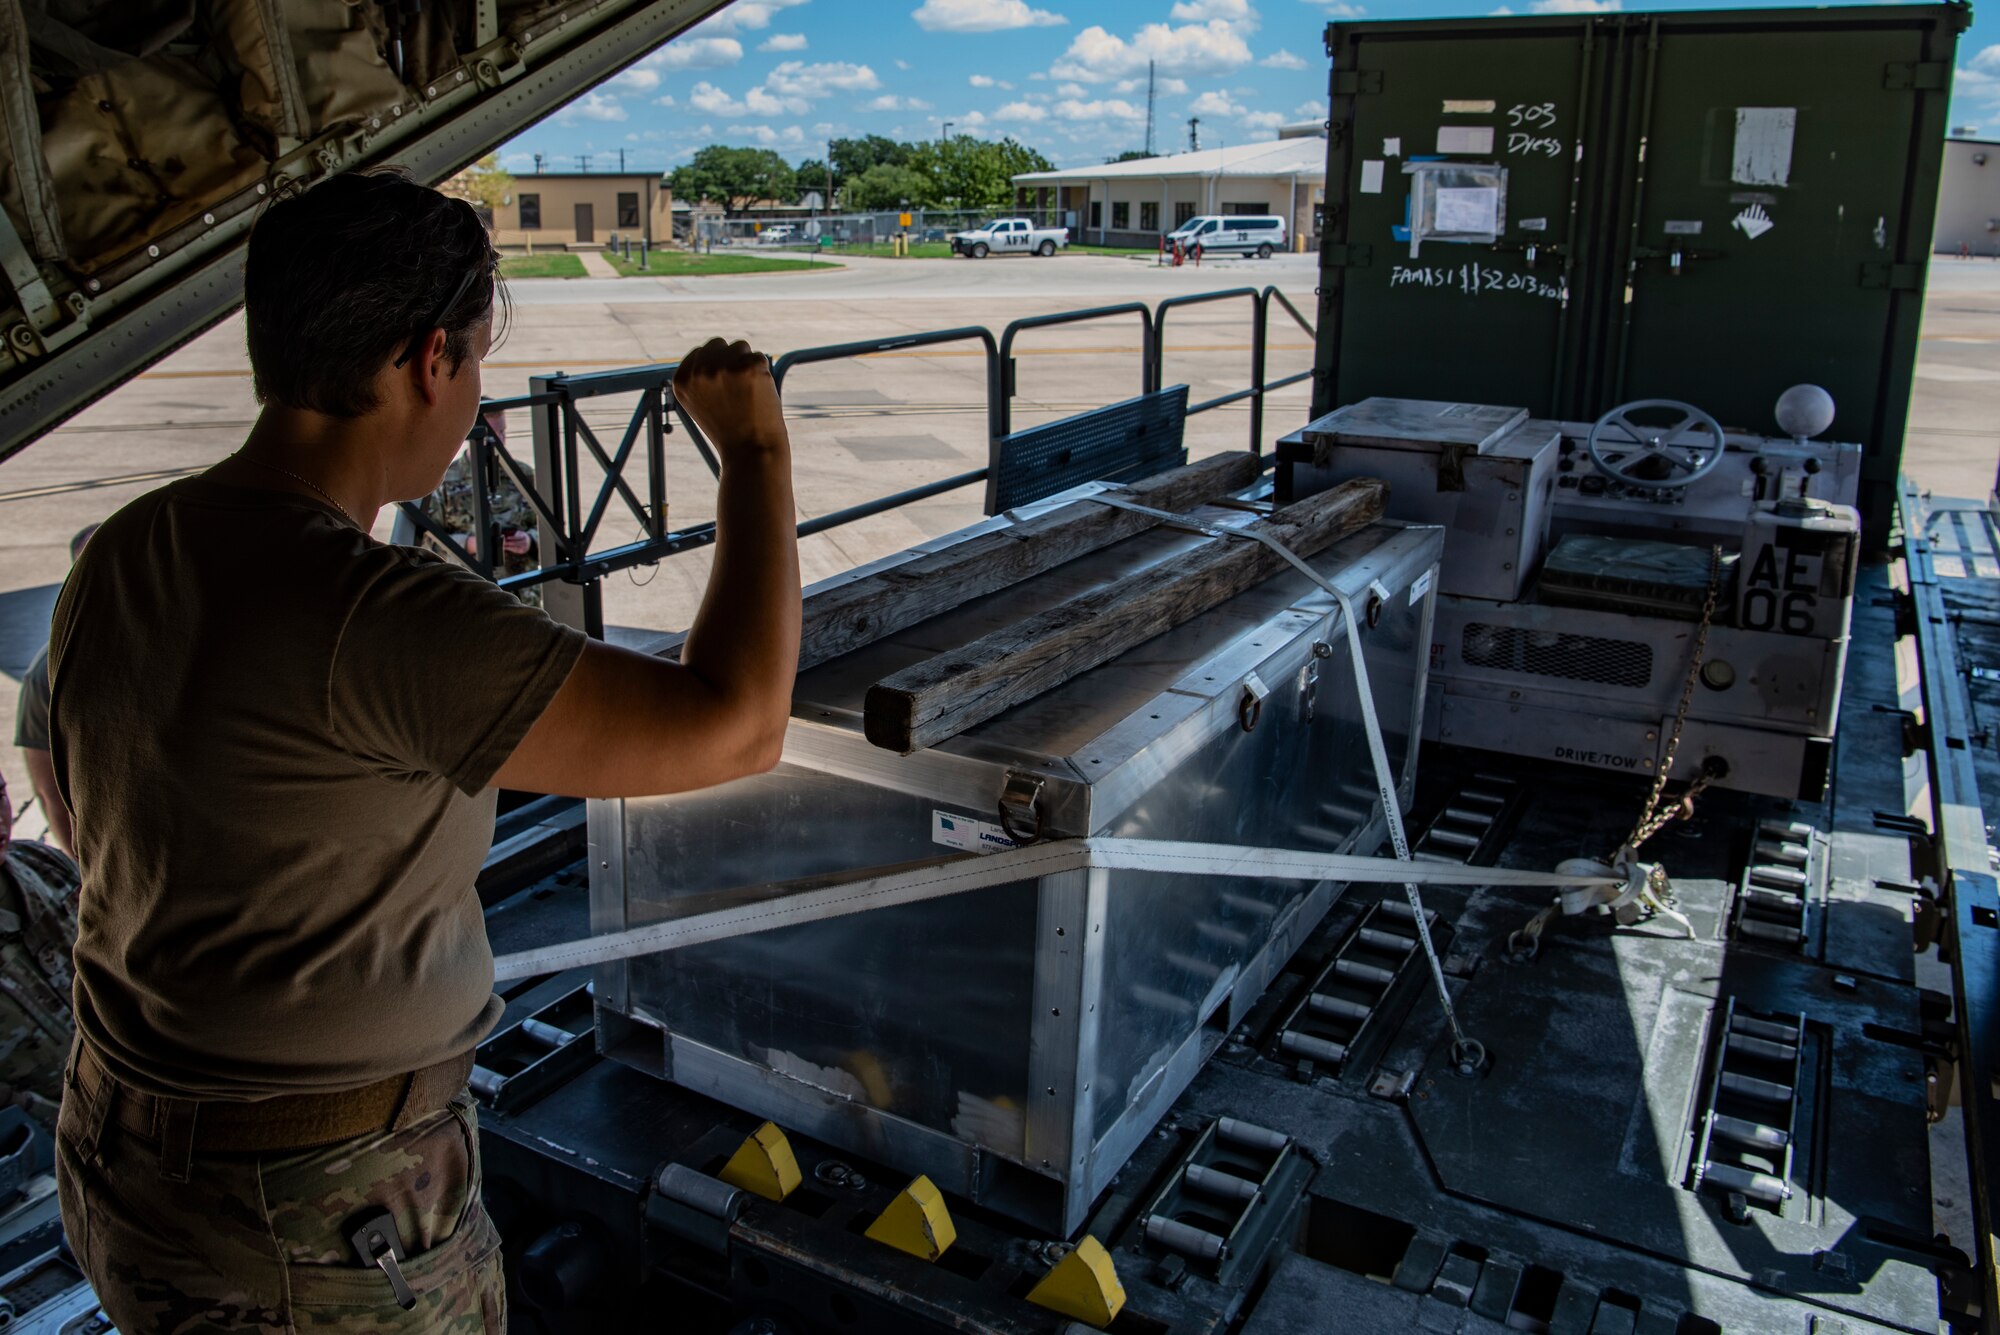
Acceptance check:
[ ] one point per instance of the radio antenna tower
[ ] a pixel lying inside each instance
(1149, 108)
(1194, 134)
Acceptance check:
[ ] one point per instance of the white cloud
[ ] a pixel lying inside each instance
(1311, 110)
(902, 64)
(970, 120)
(891, 102)
(746, 15)
(1262, 120)
(982, 16)
(783, 41)
(795, 78)
(1108, 109)
(636, 81)
(1338, 9)
(1236, 12)
(592, 107)
(1575, 6)
(1078, 90)
(1165, 87)
(1098, 56)
(1216, 103)
(1021, 111)
(695, 53)
(1987, 59)
(764, 135)
(706, 97)
(665, 101)
(1282, 60)
(988, 81)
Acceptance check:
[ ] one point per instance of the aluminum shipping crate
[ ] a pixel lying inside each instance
(1017, 1044)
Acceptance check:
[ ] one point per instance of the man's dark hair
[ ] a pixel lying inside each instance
(340, 279)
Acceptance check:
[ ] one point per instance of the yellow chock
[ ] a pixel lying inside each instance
(764, 1164)
(1083, 1285)
(916, 1222)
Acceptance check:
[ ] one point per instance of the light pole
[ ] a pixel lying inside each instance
(947, 130)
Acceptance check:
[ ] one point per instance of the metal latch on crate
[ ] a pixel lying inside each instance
(1020, 815)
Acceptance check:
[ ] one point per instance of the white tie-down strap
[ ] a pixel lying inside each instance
(762, 908)
(1467, 1053)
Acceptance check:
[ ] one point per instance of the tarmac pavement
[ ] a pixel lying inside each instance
(862, 428)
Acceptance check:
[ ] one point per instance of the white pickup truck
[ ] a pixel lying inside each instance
(1009, 236)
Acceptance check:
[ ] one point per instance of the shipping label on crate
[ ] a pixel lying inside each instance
(963, 832)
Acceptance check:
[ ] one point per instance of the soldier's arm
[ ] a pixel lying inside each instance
(42, 774)
(626, 724)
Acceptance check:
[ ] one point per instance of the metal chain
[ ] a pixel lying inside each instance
(1652, 820)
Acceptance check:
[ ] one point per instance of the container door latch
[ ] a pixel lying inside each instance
(1019, 800)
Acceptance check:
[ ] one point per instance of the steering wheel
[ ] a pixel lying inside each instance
(1628, 451)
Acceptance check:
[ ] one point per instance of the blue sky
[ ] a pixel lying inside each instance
(1065, 76)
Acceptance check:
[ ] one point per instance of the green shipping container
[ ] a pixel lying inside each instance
(1703, 206)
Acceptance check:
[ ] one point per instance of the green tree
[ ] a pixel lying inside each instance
(484, 184)
(814, 174)
(885, 186)
(968, 173)
(851, 157)
(1131, 155)
(735, 177)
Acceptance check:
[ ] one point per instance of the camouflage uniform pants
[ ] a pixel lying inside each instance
(259, 1243)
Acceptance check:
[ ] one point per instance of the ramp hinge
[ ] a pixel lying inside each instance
(1915, 76)
(1895, 277)
(1351, 83)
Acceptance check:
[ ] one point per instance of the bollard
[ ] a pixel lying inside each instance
(645, 252)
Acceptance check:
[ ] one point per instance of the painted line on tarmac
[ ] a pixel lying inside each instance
(243, 372)
(63, 489)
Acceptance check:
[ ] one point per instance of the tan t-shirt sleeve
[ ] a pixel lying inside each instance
(437, 671)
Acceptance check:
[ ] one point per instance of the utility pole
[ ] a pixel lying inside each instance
(583, 162)
(1194, 134)
(621, 161)
(1149, 108)
(538, 164)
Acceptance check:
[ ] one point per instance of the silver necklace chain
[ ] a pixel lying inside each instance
(304, 482)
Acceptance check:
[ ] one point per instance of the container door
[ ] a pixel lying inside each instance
(1779, 235)
(1477, 321)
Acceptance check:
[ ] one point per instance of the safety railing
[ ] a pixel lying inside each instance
(566, 443)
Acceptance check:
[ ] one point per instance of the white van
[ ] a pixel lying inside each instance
(1253, 235)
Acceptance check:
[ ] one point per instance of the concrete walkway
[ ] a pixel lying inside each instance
(595, 265)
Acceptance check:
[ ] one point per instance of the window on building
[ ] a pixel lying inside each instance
(1097, 213)
(628, 208)
(1149, 217)
(1121, 215)
(1182, 213)
(531, 211)
(1241, 210)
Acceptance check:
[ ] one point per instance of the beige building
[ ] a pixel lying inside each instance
(1968, 207)
(1136, 203)
(569, 209)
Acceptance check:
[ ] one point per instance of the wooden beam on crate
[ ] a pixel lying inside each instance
(845, 618)
(939, 698)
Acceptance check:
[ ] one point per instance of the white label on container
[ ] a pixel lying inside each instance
(963, 832)
(1534, 224)
(1465, 139)
(1422, 586)
(1371, 176)
(1470, 106)
(1392, 148)
(1684, 227)
(1469, 209)
(1763, 154)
